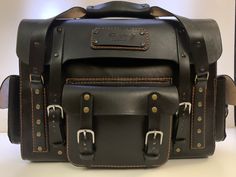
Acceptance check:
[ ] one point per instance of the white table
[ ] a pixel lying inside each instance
(221, 164)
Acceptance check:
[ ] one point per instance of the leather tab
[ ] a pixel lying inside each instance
(199, 114)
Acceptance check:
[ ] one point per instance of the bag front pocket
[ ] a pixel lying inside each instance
(10, 98)
(115, 126)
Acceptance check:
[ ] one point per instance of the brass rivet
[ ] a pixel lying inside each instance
(199, 104)
(59, 152)
(38, 134)
(36, 44)
(39, 148)
(142, 44)
(199, 145)
(86, 97)
(95, 42)
(86, 110)
(141, 33)
(56, 54)
(38, 121)
(36, 91)
(59, 29)
(178, 150)
(183, 55)
(154, 109)
(37, 106)
(199, 119)
(154, 97)
(199, 131)
(200, 90)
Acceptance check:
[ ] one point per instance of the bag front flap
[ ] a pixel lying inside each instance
(123, 38)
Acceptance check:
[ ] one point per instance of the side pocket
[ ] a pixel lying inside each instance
(221, 109)
(9, 98)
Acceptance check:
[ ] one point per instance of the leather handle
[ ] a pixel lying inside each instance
(119, 9)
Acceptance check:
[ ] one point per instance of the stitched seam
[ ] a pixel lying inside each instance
(147, 41)
(193, 99)
(32, 117)
(45, 120)
(21, 112)
(120, 79)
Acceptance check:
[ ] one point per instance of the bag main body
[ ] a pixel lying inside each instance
(116, 92)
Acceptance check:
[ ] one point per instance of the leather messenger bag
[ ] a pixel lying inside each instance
(132, 91)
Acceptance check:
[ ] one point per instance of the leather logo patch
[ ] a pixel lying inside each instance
(121, 38)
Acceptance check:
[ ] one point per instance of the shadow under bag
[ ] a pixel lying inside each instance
(117, 92)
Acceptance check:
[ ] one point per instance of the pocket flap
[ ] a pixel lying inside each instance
(119, 100)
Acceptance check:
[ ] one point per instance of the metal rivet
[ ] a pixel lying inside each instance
(199, 104)
(56, 54)
(36, 91)
(199, 145)
(142, 44)
(37, 106)
(38, 134)
(95, 32)
(59, 152)
(36, 44)
(199, 119)
(154, 109)
(199, 131)
(59, 29)
(39, 148)
(95, 42)
(183, 55)
(198, 44)
(178, 150)
(142, 33)
(200, 90)
(86, 97)
(38, 121)
(86, 110)
(154, 97)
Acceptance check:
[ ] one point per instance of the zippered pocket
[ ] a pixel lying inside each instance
(119, 123)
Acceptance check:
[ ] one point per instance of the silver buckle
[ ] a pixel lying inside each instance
(202, 77)
(186, 105)
(154, 132)
(85, 131)
(53, 107)
(36, 78)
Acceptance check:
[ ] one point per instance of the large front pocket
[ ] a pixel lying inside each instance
(118, 126)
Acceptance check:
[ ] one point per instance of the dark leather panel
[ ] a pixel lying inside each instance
(119, 100)
(161, 32)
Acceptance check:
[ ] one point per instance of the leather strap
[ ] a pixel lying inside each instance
(153, 138)
(182, 121)
(55, 111)
(85, 134)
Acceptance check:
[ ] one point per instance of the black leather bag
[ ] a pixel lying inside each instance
(126, 92)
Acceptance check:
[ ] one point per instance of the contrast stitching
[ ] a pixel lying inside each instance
(147, 41)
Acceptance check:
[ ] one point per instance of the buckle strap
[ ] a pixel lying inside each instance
(54, 110)
(152, 141)
(85, 134)
(198, 118)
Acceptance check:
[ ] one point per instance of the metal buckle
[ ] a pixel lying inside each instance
(186, 105)
(202, 77)
(53, 107)
(36, 78)
(154, 132)
(85, 131)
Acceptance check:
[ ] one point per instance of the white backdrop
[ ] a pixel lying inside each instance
(12, 11)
